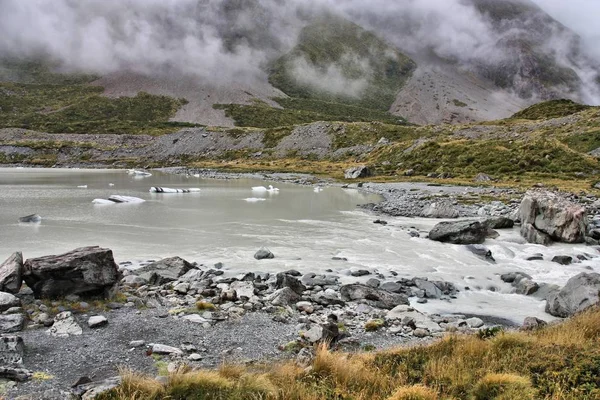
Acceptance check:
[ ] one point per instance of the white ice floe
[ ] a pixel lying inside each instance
(115, 198)
(82, 186)
(254, 199)
(263, 189)
(111, 184)
(137, 172)
(156, 189)
(318, 189)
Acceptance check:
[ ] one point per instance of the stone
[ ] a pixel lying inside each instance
(430, 290)
(393, 287)
(459, 232)
(137, 343)
(314, 334)
(562, 260)
(579, 293)
(11, 323)
(97, 321)
(8, 300)
(553, 215)
(533, 323)
(481, 177)
(283, 297)
(359, 272)
(86, 271)
(182, 287)
(15, 373)
(535, 257)
(64, 325)
(195, 357)
(411, 317)
(361, 171)
(195, 318)
(192, 275)
(526, 287)
(11, 273)
(93, 390)
(165, 270)
(287, 280)
(133, 281)
(243, 289)
(533, 235)
(475, 322)
(263, 253)
(420, 333)
(481, 251)
(375, 297)
(158, 348)
(305, 306)
(499, 223)
(374, 283)
(31, 219)
(440, 210)
(11, 349)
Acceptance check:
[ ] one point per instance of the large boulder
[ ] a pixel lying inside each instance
(374, 297)
(86, 271)
(361, 171)
(554, 216)
(8, 300)
(440, 210)
(165, 270)
(11, 273)
(579, 293)
(287, 280)
(459, 232)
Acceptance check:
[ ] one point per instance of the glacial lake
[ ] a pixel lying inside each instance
(226, 221)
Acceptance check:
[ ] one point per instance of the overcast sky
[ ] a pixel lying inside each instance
(580, 15)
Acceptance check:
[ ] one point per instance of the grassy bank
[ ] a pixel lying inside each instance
(560, 362)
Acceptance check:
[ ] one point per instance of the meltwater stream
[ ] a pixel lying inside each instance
(224, 222)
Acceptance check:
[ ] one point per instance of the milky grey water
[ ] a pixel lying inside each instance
(225, 222)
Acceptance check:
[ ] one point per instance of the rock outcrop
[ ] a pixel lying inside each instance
(580, 292)
(11, 273)
(357, 172)
(86, 271)
(548, 216)
(459, 232)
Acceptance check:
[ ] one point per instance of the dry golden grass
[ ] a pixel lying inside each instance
(205, 306)
(559, 362)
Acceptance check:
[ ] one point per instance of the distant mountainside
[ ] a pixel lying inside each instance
(347, 69)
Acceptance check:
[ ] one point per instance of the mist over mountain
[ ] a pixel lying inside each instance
(514, 49)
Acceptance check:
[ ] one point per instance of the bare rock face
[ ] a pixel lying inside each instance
(11, 272)
(547, 216)
(357, 172)
(86, 271)
(580, 292)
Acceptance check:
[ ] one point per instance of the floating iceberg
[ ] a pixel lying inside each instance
(115, 198)
(156, 189)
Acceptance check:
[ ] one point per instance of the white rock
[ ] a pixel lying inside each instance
(245, 289)
(194, 318)
(97, 321)
(8, 300)
(182, 287)
(137, 343)
(65, 325)
(158, 348)
(314, 334)
(474, 322)
(305, 306)
(194, 357)
(421, 320)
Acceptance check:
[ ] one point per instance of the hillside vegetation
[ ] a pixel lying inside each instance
(560, 362)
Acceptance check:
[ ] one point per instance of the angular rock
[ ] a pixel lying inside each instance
(411, 317)
(420, 333)
(314, 334)
(11, 273)
(15, 373)
(165, 270)
(182, 287)
(533, 323)
(440, 210)
(192, 275)
(393, 287)
(430, 290)
(65, 325)
(533, 235)
(11, 349)
(357, 172)
(86, 271)
(31, 219)
(283, 297)
(579, 293)
(553, 215)
(243, 289)
(263, 253)
(158, 348)
(11, 323)
(286, 280)
(459, 232)
(97, 321)
(305, 306)
(133, 281)
(481, 251)
(526, 287)
(195, 318)
(474, 322)
(481, 177)
(499, 223)
(93, 390)
(375, 297)
(8, 300)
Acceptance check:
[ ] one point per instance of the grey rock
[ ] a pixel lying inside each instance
(314, 334)
(195, 357)
(243, 289)
(305, 306)
(579, 293)
(374, 283)
(481, 177)
(359, 272)
(357, 172)
(165, 270)
(93, 390)
(65, 325)
(499, 223)
(11, 349)
(158, 348)
(31, 219)
(263, 253)
(393, 287)
(532, 235)
(287, 280)
(533, 323)
(535, 257)
(526, 287)
(375, 297)
(137, 343)
(475, 322)
(283, 297)
(563, 260)
(8, 300)
(15, 373)
(459, 232)
(182, 287)
(86, 271)
(420, 333)
(553, 215)
(440, 210)
(11, 273)
(134, 281)
(481, 251)
(511, 277)
(430, 290)
(11, 323)
(97, 321)
(192, 275)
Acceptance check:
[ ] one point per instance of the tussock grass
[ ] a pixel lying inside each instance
(559, 362)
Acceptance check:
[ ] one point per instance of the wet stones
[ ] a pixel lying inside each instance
(459, 232)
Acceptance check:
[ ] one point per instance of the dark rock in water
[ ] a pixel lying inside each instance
(430, 290)
(481, 251)
(579, 293)
(552, 215)
(594, 234)
(86, 271)
(459, 232)
(380, 222)
(511, 277)
(526, 287)
(286, 280)
(535, 257)
(339, 258)
(375, 297)
(545, 290)
(33, 218)
(357, 172)
(165, 270)
(499, 223)
(532, 324)
(11, 273)
(563, 260)
(263, 253)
